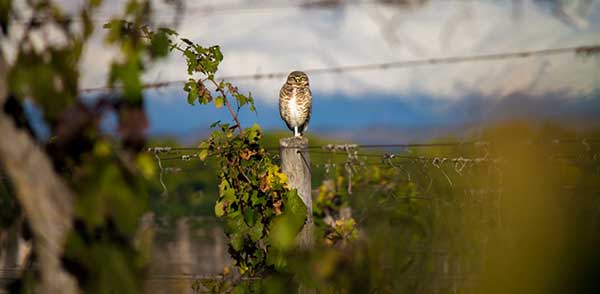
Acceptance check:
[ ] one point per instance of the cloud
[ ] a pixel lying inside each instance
(275, 40)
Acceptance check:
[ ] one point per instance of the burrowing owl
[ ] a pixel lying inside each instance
(295, 102)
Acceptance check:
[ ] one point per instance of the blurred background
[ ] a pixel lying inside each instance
(263, 37)
(478, 124)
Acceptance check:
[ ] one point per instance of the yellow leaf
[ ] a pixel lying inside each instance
(282, 178)
(219, 102)
(203, 154)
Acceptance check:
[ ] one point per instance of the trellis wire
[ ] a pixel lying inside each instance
(586, 50)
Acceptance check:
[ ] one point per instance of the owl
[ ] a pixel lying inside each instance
(295, 102)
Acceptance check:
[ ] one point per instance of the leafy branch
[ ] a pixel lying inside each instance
(203, 60)
(262, 214)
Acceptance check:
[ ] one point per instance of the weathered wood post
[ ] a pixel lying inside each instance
(295, 164)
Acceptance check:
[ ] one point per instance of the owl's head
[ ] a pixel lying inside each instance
(297, 78)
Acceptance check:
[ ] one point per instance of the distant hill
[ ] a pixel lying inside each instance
(384, 118)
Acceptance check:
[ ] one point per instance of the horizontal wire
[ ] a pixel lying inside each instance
(386, 159)
(580, 50)
(429, 61)
(335, 148)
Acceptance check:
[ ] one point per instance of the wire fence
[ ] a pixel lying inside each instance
(333, 148)
(331, 154)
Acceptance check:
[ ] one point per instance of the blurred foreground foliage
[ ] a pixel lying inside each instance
(104, 168)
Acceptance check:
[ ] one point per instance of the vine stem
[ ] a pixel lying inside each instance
(235, 117)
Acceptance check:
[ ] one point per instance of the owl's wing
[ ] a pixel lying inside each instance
(284, 111)
(308, 110)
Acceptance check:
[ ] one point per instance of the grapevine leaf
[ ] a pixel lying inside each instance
(219, 102)
(249, 216)
(256, 231)
(159, 44)
(191, 88)
(203, 154)
(219, 209)
(237, 241)
(288, 225)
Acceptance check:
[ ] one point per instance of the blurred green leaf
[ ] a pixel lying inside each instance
(289, 223)
(159, 45)
(5, 9)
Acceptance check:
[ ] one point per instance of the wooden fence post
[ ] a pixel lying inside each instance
(295, 164)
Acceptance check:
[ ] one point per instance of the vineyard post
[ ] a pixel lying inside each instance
(295, 164)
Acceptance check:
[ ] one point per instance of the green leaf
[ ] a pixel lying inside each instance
(295, 206)
(159, 44)
(256, 199)
(256, 231)
(249, 216)
(191, 60)
(285, 227)
(278, 259)
(192, 89)
(215, 124)
(237, 241)
(253, 133)
(241, 99)
(216, 51)
(227, 194)
(128, 74)
(192, 96)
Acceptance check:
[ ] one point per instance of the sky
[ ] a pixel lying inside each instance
(281, 36)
